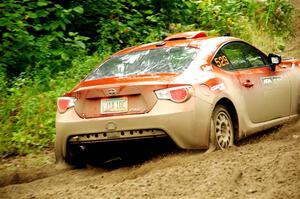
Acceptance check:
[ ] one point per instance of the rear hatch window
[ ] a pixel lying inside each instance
(159, 60)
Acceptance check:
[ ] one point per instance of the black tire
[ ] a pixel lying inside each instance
(75, 156)
(222, 131)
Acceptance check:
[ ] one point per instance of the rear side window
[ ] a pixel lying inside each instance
(221, 61)
(171, 59)
(242, 56)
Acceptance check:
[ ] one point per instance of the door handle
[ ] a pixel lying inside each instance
(248, 84)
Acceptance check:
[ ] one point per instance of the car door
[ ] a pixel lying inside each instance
(266, 93)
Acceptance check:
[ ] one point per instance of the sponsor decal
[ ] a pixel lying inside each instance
(207, 68)
(270, 80)
(220, 86)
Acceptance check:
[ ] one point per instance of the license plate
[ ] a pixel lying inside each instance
(114, 105)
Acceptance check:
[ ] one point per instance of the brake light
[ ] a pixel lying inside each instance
(175, 94)
(64, 103)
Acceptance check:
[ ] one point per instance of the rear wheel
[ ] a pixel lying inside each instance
(221, 131)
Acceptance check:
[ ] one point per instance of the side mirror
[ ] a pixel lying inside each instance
(274, 59)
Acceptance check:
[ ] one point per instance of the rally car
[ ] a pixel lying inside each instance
(196, 90)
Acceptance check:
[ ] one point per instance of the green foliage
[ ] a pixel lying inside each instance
(266, 24)
(34, 35)
(27, 116)
(47, 46)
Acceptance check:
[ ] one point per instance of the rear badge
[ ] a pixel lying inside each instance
(111, 92)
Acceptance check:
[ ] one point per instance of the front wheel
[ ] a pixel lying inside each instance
(221, 132)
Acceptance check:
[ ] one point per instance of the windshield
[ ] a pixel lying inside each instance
(160, 60)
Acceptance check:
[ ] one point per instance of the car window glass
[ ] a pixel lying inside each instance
(160, 60)
(243, 56)
(220, 60)
(253, 56)
(235, 54)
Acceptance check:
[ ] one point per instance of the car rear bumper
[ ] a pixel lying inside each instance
(187, 124)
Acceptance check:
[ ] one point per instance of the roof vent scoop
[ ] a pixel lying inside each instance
(186, 35)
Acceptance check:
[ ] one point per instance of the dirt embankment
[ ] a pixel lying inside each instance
(261, 167)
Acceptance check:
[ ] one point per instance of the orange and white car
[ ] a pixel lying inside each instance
(193, 89)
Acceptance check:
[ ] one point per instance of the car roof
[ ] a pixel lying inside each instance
(196, 39)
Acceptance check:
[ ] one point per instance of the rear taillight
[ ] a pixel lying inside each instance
(63, 103)
(175, 94)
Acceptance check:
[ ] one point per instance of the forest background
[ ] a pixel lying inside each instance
(49, 46)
